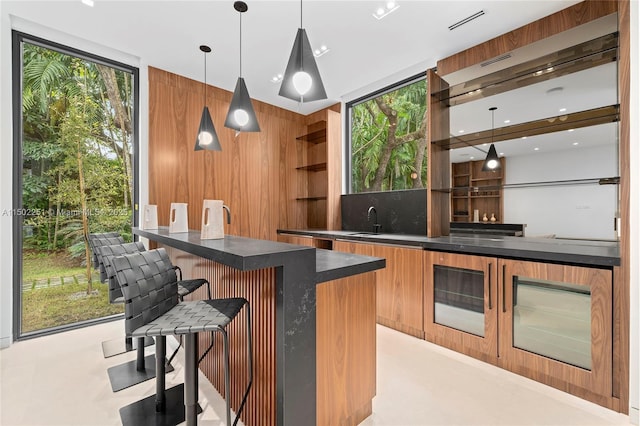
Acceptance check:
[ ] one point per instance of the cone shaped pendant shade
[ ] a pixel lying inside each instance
(301, 81)
(207, 138)
(492, 161)
(241, 116)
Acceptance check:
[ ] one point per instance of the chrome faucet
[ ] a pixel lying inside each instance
(228, 213)
(373, 212)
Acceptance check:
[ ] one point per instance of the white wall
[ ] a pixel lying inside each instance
(6, 177)
(576, 211)
(7, 24)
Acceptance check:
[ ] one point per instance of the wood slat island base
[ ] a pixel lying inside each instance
(337, 356)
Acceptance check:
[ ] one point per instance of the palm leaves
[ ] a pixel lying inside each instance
(69, 136)
(373, 146)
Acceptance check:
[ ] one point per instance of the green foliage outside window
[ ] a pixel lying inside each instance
(388, 140)
(77, 135)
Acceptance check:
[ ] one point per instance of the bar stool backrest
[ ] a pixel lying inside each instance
(149, 286)
(104, 241)
(94, 237)
(106, 255)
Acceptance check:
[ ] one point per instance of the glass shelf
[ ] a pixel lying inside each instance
(614, 180)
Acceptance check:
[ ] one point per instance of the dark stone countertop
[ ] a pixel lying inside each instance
(575, 252)
(250, 254)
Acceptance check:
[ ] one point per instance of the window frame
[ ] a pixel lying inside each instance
(17, 38)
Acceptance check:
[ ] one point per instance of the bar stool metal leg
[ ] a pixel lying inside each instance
(191, 378)
(161, 350)
(227, 379)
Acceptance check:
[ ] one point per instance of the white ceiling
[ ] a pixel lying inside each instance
(365, 53)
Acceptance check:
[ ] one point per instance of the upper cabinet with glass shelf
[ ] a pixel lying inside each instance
(556, 125)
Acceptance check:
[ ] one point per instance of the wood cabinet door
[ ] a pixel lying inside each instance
(301, 240)
(460, 301)
(399, 289)
(398, 286)
(556, 326)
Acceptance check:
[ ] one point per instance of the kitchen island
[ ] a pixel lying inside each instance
(313, 325)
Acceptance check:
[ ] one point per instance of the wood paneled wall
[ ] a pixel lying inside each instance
(249, 174)
(622, 274)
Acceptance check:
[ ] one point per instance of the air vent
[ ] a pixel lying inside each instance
(494, 60)
(466, 20)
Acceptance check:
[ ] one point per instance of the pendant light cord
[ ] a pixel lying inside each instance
(301, 55)
(493, 125)
(240, 44)
(205, 79)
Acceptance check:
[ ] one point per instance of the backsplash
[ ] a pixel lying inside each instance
(399, 212)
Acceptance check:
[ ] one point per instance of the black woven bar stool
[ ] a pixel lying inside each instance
(143, 367)
(152, 309)
(118, 346)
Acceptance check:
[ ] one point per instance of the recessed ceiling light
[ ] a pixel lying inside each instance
(563, 109)
(485, 144)
(502, 153)
(319, 52)
(570, 130)
(550, 69)
(576, 143)
(536, 149)
(460, 131)
(537, 73)
(507, 121)
(524, 137)
(472, 157)
(276, 78)
(88, 2)
(381, 12)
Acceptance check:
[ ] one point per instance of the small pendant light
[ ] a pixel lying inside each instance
(207, 138)
(301, 81)
(241, 116)
(492, 162)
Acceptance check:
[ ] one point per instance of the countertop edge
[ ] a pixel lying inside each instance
(548, 254)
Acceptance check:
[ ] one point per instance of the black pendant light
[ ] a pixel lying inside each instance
(241, 116)
(301, 81)
(492, 162)
(207, 138)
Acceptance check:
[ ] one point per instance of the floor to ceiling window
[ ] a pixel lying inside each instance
(75, 119)
(387, 135)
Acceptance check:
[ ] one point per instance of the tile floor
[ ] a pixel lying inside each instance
(62, 380)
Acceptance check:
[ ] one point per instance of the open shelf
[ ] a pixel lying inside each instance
(311, 198)
(317, 136)
(319, 167)
(474, 189)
